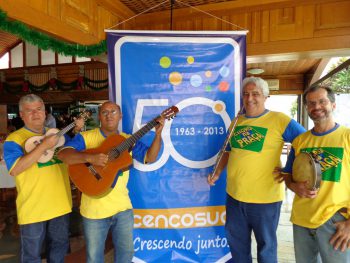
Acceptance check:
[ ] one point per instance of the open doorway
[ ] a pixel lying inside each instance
(288, 104)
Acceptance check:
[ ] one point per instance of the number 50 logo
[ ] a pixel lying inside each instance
(218, 107)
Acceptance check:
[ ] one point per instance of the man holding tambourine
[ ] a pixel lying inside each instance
(320, 212)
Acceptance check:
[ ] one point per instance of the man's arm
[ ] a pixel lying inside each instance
(73, 153)
(285, 174)
(212, 178)
(152, 152)
(29, 159)
(72, 156)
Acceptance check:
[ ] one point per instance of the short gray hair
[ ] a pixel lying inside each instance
(30, 98)
(259, 83)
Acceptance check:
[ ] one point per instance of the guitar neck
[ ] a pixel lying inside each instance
(66, 129)
(135, 137)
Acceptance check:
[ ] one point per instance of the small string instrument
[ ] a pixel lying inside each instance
(227, 140)
(96, 180)
(307, 168)
(34, 141)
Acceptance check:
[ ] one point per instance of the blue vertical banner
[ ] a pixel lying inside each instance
(178, 216)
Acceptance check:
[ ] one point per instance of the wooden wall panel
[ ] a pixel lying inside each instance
(291, 23)
(79, 14)
(332, 18)
(73, 20)
(270, 22)
(274, 26)
(40, 5)
(54, 8)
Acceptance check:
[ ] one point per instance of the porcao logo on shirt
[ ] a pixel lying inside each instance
(249, 138)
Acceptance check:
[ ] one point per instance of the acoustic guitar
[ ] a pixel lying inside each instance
(97, 180)
(34, 141)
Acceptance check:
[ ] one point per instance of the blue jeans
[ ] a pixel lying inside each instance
(96, 231)
(243, 218)
(54, 232)
(312, 244)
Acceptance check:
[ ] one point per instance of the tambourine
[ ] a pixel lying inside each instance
(306, 168)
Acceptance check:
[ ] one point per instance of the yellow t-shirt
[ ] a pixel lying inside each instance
(333, 152)
(43, 190)
(256, 146)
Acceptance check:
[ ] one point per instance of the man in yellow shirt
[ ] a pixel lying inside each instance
(111, 211)
(320, 226)
(43, 189)
(254, 198)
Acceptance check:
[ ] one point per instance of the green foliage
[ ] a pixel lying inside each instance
(340, 82)
(46, 42)
(294, 108)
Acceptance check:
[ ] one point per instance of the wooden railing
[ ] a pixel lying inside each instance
(56, 83)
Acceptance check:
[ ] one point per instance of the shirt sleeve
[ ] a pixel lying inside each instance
(12, 152)
(290, 160)
(139, 151)
(77, 142)
(292, 131)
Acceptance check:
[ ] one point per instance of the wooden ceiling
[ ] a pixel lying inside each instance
(262, 38)
(7, 41)
(271, 69)
(150, 6)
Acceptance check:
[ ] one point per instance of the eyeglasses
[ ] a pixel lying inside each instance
(311, 104)
(106, 112)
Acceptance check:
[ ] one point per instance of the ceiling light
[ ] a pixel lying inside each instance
(255, 71)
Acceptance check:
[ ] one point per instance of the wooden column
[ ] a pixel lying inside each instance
(3, 119)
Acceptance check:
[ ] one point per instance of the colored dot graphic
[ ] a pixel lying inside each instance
(224, 86)
(196, 81)
(165, 62)
(208, 88)
(208, 73)
(175, 78)
(224, 71)
(219, 107)
(190, 60)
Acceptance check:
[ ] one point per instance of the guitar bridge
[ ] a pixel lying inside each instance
(93, 171)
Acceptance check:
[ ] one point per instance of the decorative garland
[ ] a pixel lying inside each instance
(54, 84)
(46, 42)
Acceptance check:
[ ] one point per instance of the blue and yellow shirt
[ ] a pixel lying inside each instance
(117, 200)
(256, 146)
(332, 150)
(43, 190)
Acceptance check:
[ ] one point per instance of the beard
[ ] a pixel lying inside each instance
(319, 115)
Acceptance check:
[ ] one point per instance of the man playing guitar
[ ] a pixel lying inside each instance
(111, 210)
